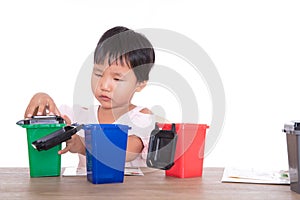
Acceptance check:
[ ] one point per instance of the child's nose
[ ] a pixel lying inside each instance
(105, 84)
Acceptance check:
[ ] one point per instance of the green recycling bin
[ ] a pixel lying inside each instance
(43, 163)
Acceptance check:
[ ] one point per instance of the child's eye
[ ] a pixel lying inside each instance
(118, 79)
(98, 75)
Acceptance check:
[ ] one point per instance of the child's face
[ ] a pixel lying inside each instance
(114, 85)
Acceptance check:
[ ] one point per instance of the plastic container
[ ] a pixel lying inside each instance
(105, 152)
(189, 154)
(43, 163)
(292, 130)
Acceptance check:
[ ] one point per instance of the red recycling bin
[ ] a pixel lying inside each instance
(189, 154)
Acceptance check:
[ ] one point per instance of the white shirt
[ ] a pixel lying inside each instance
(141, 125)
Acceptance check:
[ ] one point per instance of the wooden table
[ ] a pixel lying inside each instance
(15, 183)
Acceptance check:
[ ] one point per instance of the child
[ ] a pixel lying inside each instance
(123, 59)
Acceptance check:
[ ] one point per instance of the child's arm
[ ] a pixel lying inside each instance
(39, 104)
(134, 147)
(134, 143)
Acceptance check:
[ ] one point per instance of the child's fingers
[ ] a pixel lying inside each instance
(39, 104)
(53, 110)
(30, 111)
(41, 109)
(56, 111)
(67, 119)
(65, 150)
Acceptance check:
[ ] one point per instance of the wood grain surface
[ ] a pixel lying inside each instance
(15, 183)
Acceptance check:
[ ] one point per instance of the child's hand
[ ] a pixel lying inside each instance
(40, 104)
(75, 144)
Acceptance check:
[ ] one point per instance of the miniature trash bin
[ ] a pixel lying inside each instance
(43, 163)
(105, 152)
(189, 154)
(292, 130)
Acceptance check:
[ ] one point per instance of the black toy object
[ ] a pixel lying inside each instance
(162, 146)
(56, 137)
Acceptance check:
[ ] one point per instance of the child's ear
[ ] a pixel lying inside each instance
(141, 85)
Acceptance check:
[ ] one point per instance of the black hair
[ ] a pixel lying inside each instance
(120, 44)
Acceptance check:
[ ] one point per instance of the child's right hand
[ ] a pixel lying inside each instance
(40, 104)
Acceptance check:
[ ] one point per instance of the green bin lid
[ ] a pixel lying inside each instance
(42, 122)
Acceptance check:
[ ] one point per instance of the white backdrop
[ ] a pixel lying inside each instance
(255, 46)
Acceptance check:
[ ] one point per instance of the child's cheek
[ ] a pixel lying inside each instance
(94, 84)
(119, 89)
(122, 90)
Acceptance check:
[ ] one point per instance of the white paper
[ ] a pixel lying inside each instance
(74, 171)
(255, 176)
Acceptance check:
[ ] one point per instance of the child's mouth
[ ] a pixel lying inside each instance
(105, 98)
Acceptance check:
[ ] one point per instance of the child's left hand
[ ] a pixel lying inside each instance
(75, 144)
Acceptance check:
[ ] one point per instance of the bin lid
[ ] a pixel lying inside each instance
(292, 127)
(48, 119)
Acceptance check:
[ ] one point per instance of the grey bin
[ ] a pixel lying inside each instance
(292, 130)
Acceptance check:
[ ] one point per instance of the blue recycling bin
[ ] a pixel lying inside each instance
(105, 152)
